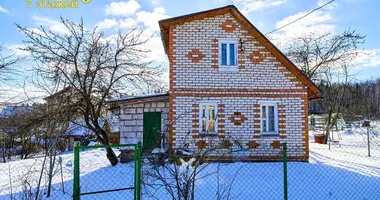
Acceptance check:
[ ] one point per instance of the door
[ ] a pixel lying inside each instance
(151, 130)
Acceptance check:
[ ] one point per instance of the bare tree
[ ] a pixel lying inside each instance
(326, 58)
(316, 53)
(6, 63)
(96, 67)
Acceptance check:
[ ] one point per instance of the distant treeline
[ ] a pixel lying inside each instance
(360, 99)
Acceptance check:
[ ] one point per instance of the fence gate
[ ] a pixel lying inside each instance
(95, 178)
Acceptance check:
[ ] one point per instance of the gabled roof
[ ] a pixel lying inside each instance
(66, 89)
(167, 23)
(126, 98)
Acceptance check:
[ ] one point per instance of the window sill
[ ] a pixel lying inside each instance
(208, 134)
(270, 134)
(228, 68)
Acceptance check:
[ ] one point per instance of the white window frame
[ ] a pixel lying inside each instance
(228, 67)
(207, 117)
(266, 104)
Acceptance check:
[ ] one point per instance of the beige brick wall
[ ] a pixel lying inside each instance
(203, 35)
(261, 76)
(131, 119)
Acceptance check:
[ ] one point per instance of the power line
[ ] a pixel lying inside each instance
(299, 18)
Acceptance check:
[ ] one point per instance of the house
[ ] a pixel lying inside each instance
(228, 84)
(319, 121)
(70, 126)
(78, 132)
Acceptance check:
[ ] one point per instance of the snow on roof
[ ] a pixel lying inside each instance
(13, 110)
(125, 98)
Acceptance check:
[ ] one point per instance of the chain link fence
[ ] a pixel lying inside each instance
(346, 167)
(340, 169)
(85, 173)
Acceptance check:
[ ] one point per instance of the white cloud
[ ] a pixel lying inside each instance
(122, 8)
(143, 20)
(3, 10)
(247, 6)
(52, 25)
(156, 2)
(15, 49)
(317, 22)
(107, 23)
(127, 23)
(150, 19)
(367, 58)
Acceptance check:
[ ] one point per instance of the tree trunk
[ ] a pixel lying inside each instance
(3, 152)
(52, 157)
(111, 156)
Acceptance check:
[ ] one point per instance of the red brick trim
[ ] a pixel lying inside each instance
(195, 55)
(238, 90)
(237, 118)
(240, 95)
(229, 26)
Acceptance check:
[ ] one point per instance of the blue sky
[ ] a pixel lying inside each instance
(266, 15)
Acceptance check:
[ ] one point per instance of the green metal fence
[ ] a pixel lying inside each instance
(106, 182)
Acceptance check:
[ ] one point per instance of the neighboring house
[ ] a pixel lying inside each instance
(77, 131)
(73, 127)
(319, 121)
(228, 84)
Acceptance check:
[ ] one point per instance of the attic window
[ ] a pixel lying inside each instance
(228, 55)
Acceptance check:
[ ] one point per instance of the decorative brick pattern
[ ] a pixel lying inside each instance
(201, 144)
(256, 57)
(195, 55)
(276, 144)
(226, 144)
(221, 129)
(237, 118)
(253, 144)
(229, 26)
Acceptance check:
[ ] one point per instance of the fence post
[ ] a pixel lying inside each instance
(369, 143)
(285, 158)
(76, 189)
(137, 171)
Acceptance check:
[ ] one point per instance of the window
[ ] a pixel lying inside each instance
(268, 118)
(228, 54)
(208, 113)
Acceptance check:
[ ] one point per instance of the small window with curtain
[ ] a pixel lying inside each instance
(268, 118)
(228, 55)
(208, 113)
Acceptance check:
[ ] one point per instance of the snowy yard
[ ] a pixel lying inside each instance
(344, 172)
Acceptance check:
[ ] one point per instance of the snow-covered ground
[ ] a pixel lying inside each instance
(344, 172)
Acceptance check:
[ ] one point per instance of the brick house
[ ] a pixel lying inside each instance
(229, 83)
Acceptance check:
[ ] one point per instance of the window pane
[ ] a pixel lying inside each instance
(263, 112)
(271, 118)
(224, 54)
(203, 111)
(264, 126)
(211, 112)
(232, 54)
(203, 125)
(211, 125)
